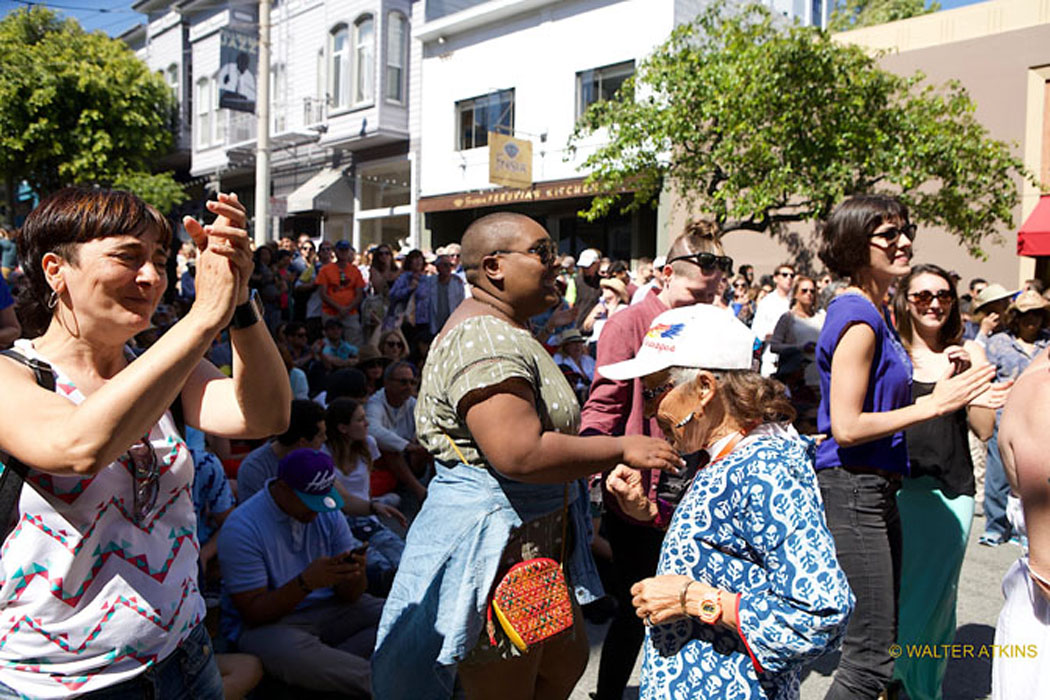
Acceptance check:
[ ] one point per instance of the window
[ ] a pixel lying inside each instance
(364, 60)
(278, 92)
(339, 68)
(600, 84)
(220, 115)
(171, 76)
(203, 112)
(396, 56)
(480, 115)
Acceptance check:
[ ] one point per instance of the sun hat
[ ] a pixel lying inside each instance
(993, 292)
(588, 257)
(311, 474)
(617, 286)
(1029, 301)
(370, 353)
(572, 335)
(700, 335)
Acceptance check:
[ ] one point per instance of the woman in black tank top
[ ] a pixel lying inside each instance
(936, 499)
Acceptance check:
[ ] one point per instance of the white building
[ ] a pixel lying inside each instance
(339, 86)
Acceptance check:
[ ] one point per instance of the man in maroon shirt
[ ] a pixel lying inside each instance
(695, 265)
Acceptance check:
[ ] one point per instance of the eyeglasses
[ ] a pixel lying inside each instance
(546, 250)
(925, 297)
(393, 344)
(806, 290)
(707, 262)
(740, 285)
(404, 381)
(651, 394)
(306, 247)
(300, 334)
(145, 474)
(892, 235)
(789, 275)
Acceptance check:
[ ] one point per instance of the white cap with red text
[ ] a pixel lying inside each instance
(700, 335)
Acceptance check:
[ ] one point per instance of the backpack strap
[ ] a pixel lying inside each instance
(15, 472)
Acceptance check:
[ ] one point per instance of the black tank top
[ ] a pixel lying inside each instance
(940, 448)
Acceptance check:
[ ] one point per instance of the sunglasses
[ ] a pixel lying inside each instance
(403, 381)
(651, 394)
(145, 473)
(546, 250)
(892, 235)
(394, 344)
(707, 262)
(806, 290)
(925, 297)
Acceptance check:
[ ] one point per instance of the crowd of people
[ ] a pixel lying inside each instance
(322, 463)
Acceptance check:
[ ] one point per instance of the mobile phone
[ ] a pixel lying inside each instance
(349, 558)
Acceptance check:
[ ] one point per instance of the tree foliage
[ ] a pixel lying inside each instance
(854, 14)
(762, 124)
(77, 107)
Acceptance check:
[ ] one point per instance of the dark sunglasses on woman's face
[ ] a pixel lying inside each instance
(546, 250)
(925, 297)
(707, 262)
(892, 235)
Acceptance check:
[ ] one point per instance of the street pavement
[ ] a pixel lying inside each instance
(978, 608)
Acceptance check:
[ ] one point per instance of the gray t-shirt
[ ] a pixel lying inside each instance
(257, 467)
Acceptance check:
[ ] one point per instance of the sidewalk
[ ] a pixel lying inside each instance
(977, 610)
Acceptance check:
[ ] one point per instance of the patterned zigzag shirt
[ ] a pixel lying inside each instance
(88, 598)
(752, 523)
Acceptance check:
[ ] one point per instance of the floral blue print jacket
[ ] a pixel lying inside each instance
(752, 524)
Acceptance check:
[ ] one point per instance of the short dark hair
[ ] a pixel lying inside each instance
(304, 422)
(396, 365)
(847, 233)
(333, 323)
(348, 382)
(976, 281)
(951, 331)
(66, 218)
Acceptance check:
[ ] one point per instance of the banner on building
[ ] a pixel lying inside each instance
(510, 161)
(238, 68)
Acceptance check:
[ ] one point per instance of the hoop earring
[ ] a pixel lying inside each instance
(52, 301)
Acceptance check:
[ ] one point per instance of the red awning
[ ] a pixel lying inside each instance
(1034, 237)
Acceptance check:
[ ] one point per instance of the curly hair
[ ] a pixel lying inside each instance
(750, 398)
(847, 233)
(71, 216)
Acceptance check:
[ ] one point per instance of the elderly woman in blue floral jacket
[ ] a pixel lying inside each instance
(748, 587)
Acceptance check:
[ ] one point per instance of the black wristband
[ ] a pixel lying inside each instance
(302, 583)
(249, 313)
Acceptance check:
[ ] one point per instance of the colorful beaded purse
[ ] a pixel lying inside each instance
(532, 601)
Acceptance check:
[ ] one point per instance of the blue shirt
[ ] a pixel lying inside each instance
(211, 492)
(257, 467)
(6, 299)
(344, 350)
(889, 385)
(751, 523)
(261, 546)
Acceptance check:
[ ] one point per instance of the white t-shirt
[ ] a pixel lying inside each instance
(89, 595)
(357, 481)
(767, 313)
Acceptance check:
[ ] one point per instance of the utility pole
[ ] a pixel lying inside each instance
(262, 143)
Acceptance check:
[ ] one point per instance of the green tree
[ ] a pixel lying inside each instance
(77, 107)
(854, 14)
(761, 125)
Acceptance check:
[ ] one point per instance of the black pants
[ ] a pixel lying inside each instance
(861, 511)
(636, 552)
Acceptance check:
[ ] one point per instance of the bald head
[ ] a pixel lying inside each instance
(499, 231)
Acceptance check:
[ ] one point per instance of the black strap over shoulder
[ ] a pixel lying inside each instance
(15, 472)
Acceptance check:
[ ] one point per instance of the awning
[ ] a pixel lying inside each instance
(328, 191)
(1034, 237)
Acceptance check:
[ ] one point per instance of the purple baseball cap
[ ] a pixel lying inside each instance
(311, 474)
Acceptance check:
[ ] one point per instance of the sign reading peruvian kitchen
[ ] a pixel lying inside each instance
(510, 161)
(238, 65)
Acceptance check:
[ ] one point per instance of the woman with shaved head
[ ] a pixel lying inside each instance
(501, 421)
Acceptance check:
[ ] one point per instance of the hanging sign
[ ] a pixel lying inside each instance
(510, 161)
(238, 67)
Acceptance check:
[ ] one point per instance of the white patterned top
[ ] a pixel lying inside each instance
(89, 598)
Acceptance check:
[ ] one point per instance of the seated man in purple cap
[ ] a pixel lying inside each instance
(294, 581)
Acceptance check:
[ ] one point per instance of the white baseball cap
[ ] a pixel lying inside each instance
(700, 335)
(588, 257)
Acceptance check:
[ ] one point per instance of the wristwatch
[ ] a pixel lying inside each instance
(249, 313)
(710, 607)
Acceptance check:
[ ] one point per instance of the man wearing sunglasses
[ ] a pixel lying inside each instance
(768, 312)
(694, 267)
(588, 283)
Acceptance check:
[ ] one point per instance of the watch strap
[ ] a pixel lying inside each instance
(249, 313)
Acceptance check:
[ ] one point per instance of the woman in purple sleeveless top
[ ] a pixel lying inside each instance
(865, 406)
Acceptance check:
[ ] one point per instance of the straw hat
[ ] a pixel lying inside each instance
(1029, 301)
(570, 336)
(993, 292)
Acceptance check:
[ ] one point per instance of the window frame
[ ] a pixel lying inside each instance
(358, 70)
(472, 103)
(611, 70)
(203, 122)
(339, 99)
(396, 18)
